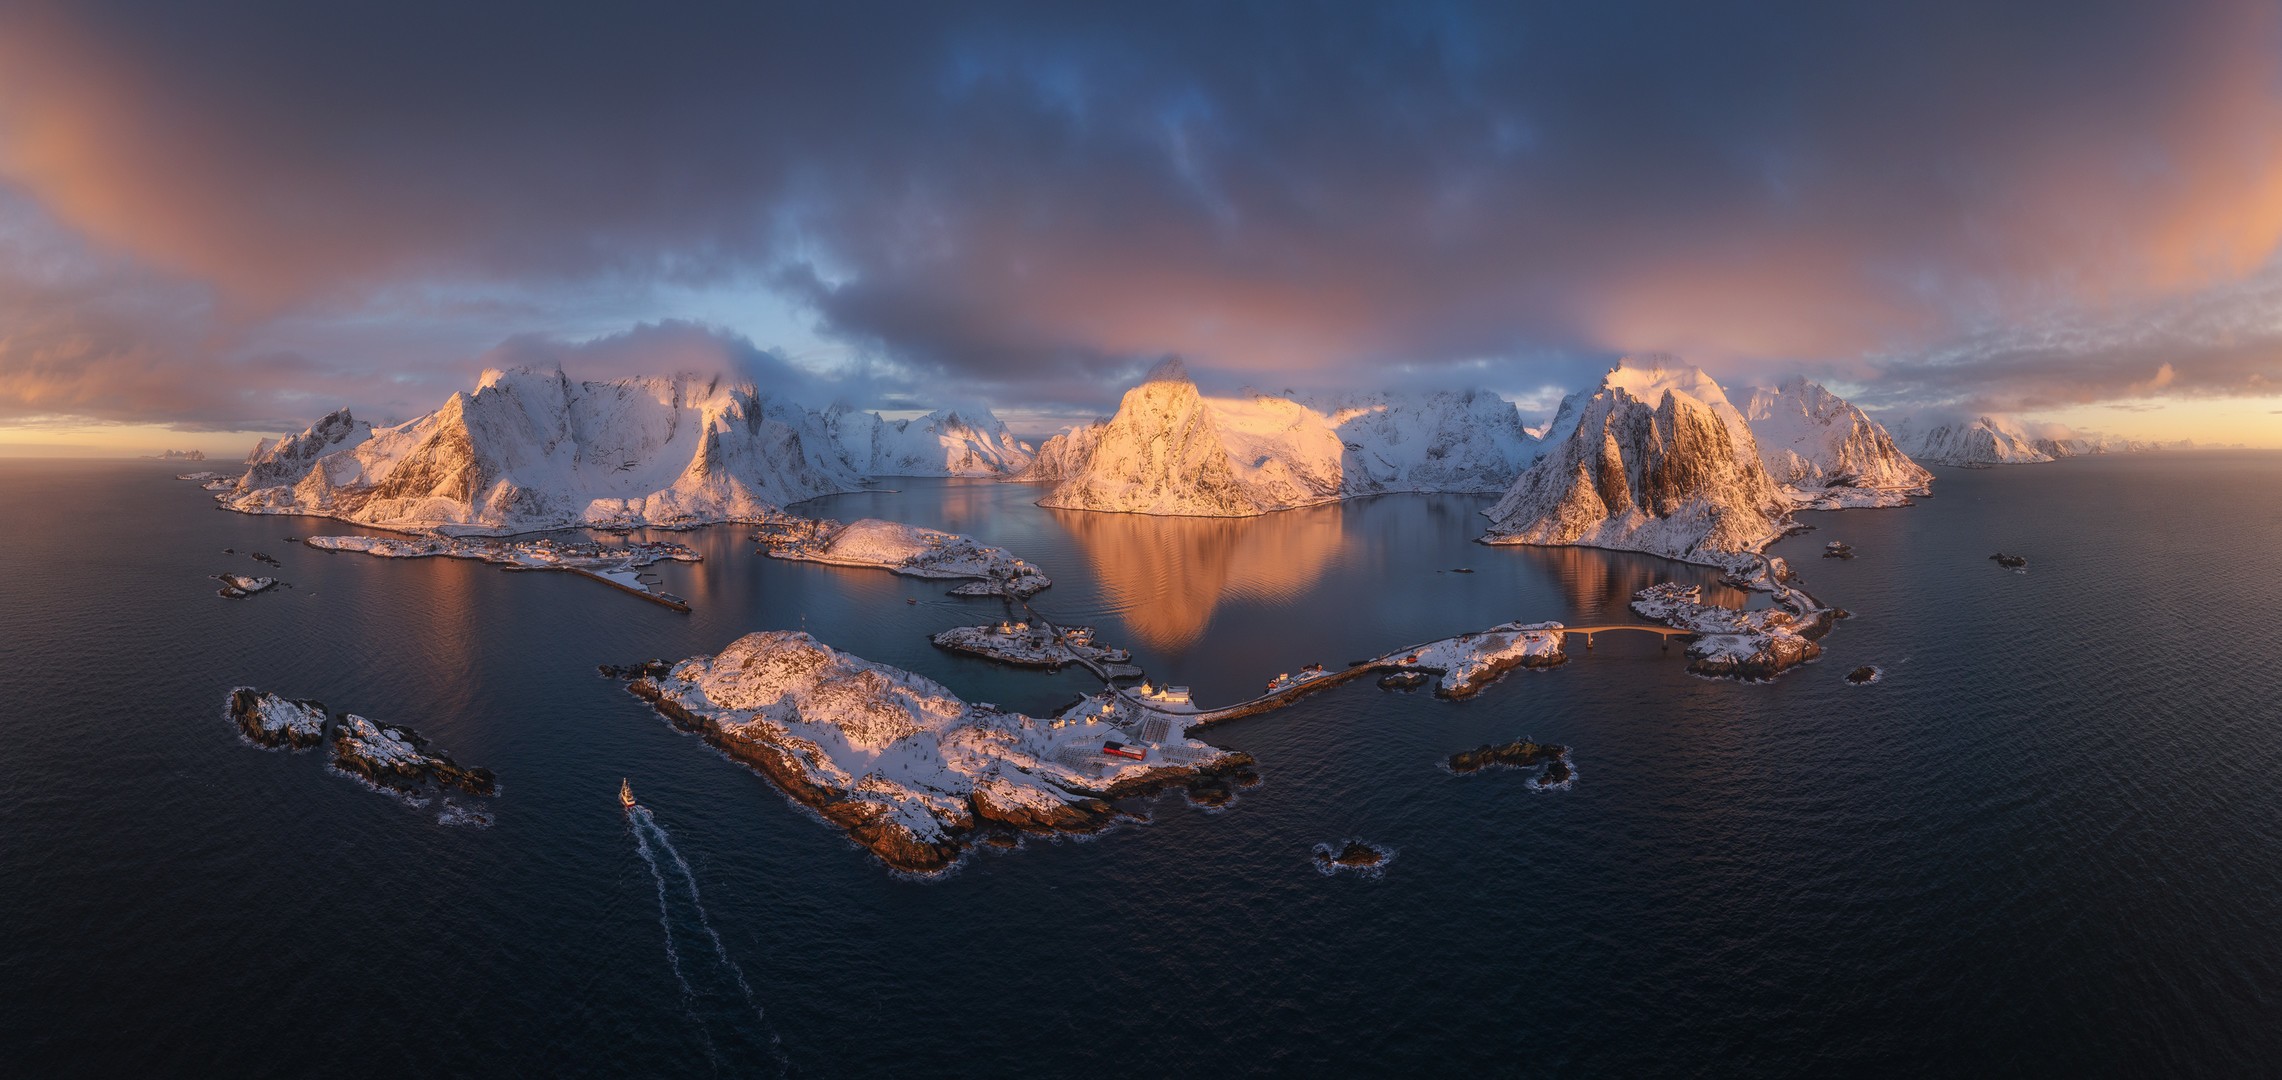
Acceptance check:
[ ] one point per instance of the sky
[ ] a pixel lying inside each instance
(228, 218)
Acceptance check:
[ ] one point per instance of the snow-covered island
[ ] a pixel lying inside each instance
(383, 756)
(905, 549)
(1735, 642)
(914, 774)
(240, 586)
(1459, 667)
(396, 757)
(277, 722)
(1024, 644)
(613, 564)
(1463, 665)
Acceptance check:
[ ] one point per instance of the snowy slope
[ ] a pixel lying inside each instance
(1827, 454)
(1977, 441)
(1470, 441)
(533, 450)
(911, 771)
(1171, 450)
(946, 442)
(1675, 473)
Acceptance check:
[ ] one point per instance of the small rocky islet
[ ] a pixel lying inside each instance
(384, 755)
(240, 586)
(1518, 754)
(1356, 856)
(277, 722)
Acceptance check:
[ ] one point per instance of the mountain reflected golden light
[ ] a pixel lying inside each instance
(1168, 575)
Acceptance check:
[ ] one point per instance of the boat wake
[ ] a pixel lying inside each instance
(646, 830)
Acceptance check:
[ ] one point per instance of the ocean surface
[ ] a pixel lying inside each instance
(2048, 842)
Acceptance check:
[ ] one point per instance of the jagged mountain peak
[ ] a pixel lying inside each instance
(1168, 370)
(1827, 453)
(1655, 460)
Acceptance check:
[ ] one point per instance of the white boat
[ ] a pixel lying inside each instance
(625, 794)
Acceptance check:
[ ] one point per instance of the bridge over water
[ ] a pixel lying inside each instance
(1286, 695)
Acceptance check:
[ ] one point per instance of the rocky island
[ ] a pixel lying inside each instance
(1354, 855)
(396, 757)
(240, 586)
(1024, 644)
(912, 773)
(908, 550)
(1518, 754)
(277, 722)
(1735, 642)
(617, 565)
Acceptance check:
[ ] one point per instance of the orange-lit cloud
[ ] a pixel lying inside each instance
(1945, 202)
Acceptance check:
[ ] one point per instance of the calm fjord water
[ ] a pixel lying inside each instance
(2050, 841)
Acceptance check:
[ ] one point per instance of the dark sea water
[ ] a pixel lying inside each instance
(2048, 842)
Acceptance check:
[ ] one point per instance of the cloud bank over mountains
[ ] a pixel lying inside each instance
(239, 215)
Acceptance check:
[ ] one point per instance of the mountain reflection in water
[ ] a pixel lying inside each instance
(1167, 575)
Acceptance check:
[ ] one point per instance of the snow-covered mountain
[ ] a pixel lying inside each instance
(1990, 439)
(1465, 441)
(535, 450)
(1170, 450)
(1970, 442)
(946, 442)
(1656, 460)
(1825, 453)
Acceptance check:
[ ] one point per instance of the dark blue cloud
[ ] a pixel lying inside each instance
(1031, 201)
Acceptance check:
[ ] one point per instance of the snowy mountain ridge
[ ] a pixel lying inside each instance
(1997, 439)
(531, 450)
(1826, 453)
(1170, 450)
(1655, 460)
(946, 442)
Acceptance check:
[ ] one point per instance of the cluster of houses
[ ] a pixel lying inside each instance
(1287, 680)
(1136, 730)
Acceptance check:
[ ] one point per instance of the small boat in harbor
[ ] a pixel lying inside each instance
(625, 793)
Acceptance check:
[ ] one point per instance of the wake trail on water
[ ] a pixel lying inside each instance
(665, 923)
(643, 819)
